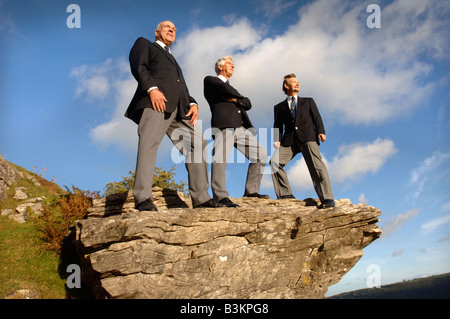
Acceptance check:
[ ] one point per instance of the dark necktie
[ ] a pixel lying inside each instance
(293, 107)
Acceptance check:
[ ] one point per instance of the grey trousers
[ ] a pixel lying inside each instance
(187, 139)
(244, 141)
(316, 167)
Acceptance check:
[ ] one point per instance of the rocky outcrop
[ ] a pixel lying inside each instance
(263, 249)
(26, 208)
(8, 176)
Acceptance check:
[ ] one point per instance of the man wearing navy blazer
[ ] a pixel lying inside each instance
(162, 105)
(232, 127)
(300, 128)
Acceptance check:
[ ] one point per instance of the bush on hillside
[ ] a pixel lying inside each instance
(161, 178)
(60, 214)
(58, 217)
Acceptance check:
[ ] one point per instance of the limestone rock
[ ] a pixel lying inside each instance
(8, 176)
(24, 294)
(263, 249)
(20, 195)
(7, 212)
(20, 218)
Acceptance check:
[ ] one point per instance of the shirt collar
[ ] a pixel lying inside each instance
(162, 45)
(224, 79)
(289, 98)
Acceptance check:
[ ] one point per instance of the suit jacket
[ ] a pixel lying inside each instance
(226, 114)
(151, 66)
(306, 126)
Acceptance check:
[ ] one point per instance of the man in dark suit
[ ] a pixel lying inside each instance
(300, 128)
(232, 127)
(162, 105)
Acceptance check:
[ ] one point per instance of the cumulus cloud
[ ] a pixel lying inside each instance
(110, 78)
(352, 162)
(92, 81)
(394, 224)
(356, 75)
(355, 160)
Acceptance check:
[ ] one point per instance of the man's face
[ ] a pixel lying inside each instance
(292, 86)
(227, 69)
(167, 33)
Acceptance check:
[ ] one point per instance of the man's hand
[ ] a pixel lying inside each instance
(233, 100)
(194, 112)
(322, 137)
(277, 144)
(158, 100)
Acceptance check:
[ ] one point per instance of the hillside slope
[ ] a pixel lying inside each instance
(434, 287)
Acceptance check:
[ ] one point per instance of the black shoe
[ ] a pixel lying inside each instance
(327, 203)
(210, 204)
(147, 205)
(310, 202)
(226, 201)
(287, 196)
(257, 195)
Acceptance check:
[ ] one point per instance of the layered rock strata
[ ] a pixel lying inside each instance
(263, 249)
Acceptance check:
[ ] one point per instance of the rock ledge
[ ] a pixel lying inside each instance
(263, 249)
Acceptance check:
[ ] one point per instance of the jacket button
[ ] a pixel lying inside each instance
(296, 128)
(239, 111)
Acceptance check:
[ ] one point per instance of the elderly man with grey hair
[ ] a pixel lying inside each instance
(232, 127)
(162, 105)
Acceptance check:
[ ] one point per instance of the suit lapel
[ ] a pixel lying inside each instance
(168, 55)
(286, 106)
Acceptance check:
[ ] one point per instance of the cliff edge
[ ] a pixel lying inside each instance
(263, 249)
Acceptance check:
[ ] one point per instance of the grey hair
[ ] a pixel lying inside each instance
(221, 62)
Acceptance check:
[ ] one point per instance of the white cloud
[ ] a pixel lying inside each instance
(274, 8)
(362, 198)
(355, 160)
(352, 163)
(112, 79)
(355, 74)
(394, 224)
(298, 174)
(423, 172)
(435, 223)
(96, 82)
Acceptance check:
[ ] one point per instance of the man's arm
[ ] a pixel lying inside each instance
(139, 68)
(139, 64)
(318, 123)
(227, 92)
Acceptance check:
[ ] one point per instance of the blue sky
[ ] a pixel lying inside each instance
(383, 94)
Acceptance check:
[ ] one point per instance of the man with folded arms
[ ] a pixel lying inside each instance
(232, 127)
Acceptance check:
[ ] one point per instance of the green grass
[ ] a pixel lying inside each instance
(24, 264)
